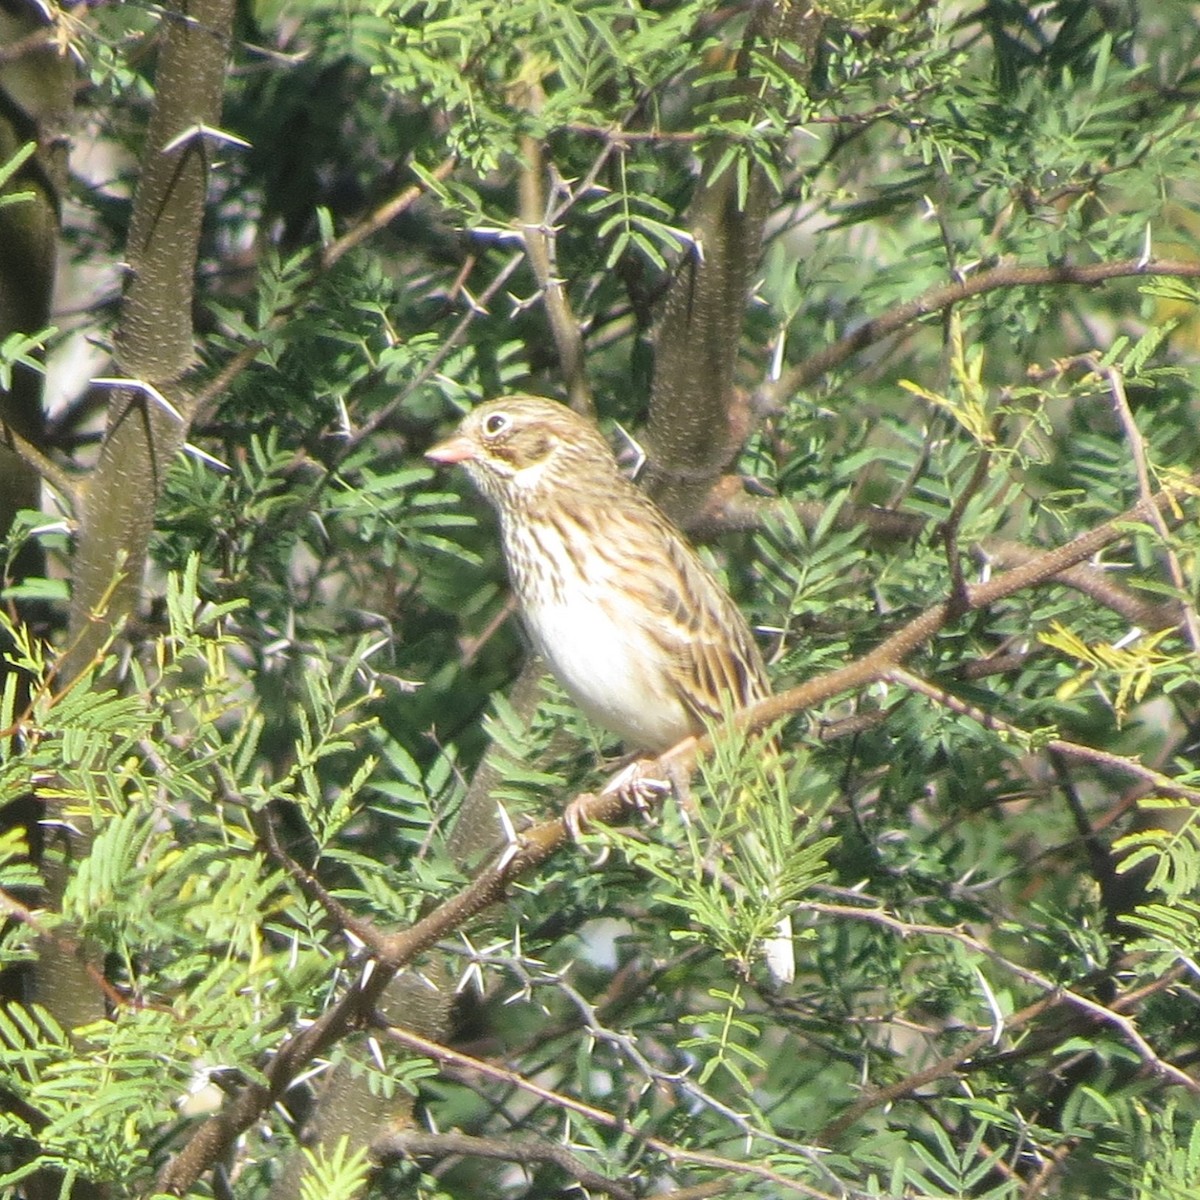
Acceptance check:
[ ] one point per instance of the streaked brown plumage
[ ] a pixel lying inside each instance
(630, 621)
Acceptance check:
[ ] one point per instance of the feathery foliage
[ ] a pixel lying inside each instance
(970, 336)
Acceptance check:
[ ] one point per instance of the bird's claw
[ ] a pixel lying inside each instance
(630, 783)
(574, 815)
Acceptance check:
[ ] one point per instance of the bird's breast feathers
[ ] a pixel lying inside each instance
(606, 665)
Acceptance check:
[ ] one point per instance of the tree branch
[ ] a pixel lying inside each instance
(60, 479)
(939, 298)
(535, 846)
(1040, 569)
(694, 427)
(731, 509)
(153, 345)
(1137, 447)
(538, 231)
(525, 1151)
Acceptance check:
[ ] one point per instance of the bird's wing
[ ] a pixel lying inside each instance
(716, 661)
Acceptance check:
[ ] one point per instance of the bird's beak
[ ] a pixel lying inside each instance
(452, 450)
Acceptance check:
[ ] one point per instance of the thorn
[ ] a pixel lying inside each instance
(204, 132)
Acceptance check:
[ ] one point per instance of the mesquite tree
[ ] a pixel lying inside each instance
(890, 307)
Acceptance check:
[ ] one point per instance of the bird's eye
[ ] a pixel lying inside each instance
(495, 424)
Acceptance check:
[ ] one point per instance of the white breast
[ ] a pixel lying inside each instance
(605, 672)
(603, 658)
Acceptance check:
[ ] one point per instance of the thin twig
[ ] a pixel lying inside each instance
(443, 1054)
(14, 910)
(391, 208)
(950, 527)
(1101, 1012)
(526, 1151)
(460, 330)
(1161, 783)
(1104, 867)
(832, 1132)
(431, 368)
(1056, 1157)
(1137, 446)
(624, 1045)
(469, 647)
(383, 215)
(346, 921)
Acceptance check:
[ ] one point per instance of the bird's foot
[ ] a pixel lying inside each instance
(632, 783)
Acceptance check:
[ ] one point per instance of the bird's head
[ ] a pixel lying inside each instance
(515, 447)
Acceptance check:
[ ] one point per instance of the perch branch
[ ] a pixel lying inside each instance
(936, 299)
(212, 1138)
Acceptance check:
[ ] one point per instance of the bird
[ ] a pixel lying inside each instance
(637, 630)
